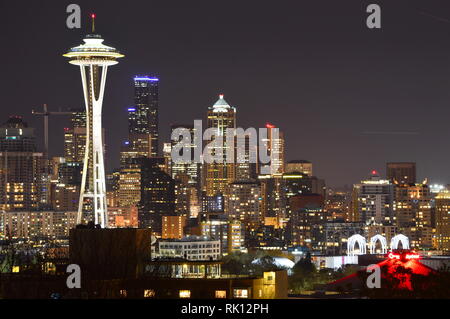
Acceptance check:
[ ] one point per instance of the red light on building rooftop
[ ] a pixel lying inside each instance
(268, 125)
(406, 256)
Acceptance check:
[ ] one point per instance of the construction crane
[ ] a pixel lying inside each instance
(46, 114)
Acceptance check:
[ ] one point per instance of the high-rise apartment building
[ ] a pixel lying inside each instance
(23, 180)
(306, 228)
(173, 227)
(373, 201)
(37, 224)
(442, 201)
(243, 202)
(413, 214)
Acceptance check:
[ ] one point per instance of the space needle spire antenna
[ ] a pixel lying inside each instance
(93, 57)
(93, 22)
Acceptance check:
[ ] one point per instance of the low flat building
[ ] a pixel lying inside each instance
(191, 248)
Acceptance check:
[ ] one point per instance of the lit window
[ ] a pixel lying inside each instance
(149, 293)
(221, 293)
(185, 294)
(123, 293)
(240, 293)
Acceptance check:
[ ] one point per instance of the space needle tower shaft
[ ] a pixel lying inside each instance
(93, 58)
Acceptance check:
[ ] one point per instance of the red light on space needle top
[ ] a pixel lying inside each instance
(93, 15)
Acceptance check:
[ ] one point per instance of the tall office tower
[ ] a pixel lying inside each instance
(401, 172)
(23, 180)
(182, 195)
(187, 167)
(306, 228)
(243, 202)
(157, 194)
(129, 183)
(93, 58)
(221, 116)
(112, 188)
(167, 154)
(137, 145)
(442, 201)
(373, 200)
(275, 149)
(143, 117)
(245, 169)
(75, 136)
(273, 195)
(413, 212)
(299, 166)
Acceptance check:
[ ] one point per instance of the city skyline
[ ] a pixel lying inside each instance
(272, 151)
(339, 113)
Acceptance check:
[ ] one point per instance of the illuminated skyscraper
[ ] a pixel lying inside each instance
(190, 167)
(373, 201)
(157, 194)
(75, 137)
(443, 221)
(275, 150)
(243, 202)
(143, 116)
(413, 213)
(93, 57)
(221, 116)
(23, 181)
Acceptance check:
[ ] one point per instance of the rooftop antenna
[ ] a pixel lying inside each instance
(93, 22)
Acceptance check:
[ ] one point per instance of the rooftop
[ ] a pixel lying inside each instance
(221, 105)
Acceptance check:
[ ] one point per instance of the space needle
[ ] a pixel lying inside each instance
(93, 57)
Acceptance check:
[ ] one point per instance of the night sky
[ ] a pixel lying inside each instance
(348, 98)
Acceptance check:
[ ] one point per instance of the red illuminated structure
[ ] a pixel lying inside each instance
(397, 271)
